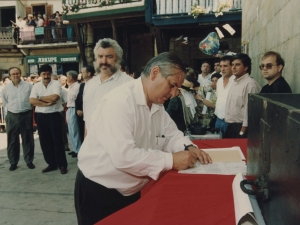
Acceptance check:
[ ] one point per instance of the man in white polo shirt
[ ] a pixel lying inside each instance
(223, 85)
(46, 96)
(108, 55)
(15, 97)
(73, 127)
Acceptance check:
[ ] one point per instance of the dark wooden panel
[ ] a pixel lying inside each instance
(274, 150)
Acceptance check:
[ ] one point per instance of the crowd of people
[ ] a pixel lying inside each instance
(118, 126)
(47, 28)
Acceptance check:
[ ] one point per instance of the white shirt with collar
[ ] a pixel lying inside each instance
(204, 81)
(16, 98)
(128, 143)
(94, 91)
(72, 94)
(222, 93)
(39, 90)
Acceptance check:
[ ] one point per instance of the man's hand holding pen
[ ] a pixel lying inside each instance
(185, 159)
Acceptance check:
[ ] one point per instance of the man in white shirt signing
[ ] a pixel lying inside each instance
(131, 140)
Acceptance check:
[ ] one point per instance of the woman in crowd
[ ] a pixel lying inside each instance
(47, 31)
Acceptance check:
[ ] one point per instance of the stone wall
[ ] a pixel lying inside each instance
(273, 25)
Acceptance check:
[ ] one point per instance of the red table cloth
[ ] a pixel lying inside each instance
(184, 198)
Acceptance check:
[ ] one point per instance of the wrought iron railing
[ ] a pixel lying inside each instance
(44, 35)
(7, 36)
(185, 6)
(77, 5)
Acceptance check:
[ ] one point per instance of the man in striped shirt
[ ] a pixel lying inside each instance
(108, 55)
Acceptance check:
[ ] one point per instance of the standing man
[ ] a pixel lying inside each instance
(46, 96)
(223, 85)
(237, 101)
(64, 99)
(136, 142)
(19, 119)
(74, 133)
(271, 69)
(216, 66)
(87, 73)
(108, 55)
(205, 78)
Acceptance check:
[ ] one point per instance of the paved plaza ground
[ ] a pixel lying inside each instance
(32, 197)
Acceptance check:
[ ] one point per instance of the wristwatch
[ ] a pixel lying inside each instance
(186, 147)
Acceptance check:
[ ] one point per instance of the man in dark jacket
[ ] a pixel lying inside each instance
(271, 68)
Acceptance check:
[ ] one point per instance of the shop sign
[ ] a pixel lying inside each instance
(52, 59)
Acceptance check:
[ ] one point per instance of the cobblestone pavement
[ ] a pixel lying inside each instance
(32, 197)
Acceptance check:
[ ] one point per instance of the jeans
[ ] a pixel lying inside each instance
(73, 127)
(222, 125)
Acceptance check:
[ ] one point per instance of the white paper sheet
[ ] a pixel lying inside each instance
(246, 209)
(221, 168)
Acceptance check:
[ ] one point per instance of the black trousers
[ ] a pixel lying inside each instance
(94, 202)
(19, 123)
(49, 127)
(81, 127)
(233, 131)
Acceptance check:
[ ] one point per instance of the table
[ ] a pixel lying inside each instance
(184, 198)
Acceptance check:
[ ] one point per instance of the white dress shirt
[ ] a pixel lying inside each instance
(237, 99)
(204, 81)
(39, 90)
(222, 93)
(128, 143)
(72, 94)
(16, 99)
(94, 90)
(64, 95)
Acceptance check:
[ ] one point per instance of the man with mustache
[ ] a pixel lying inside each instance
(46, 96)
(108, 56)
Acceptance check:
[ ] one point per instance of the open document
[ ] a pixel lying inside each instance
(246, 208)
(226, 161)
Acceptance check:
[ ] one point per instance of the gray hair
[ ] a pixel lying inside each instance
(73, 74)
(109, 43)
(166, 62)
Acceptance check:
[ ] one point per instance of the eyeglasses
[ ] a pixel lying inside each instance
(268, 66)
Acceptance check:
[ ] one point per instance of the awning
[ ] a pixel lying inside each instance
(52, 59)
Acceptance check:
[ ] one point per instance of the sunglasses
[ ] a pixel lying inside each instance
(268, 66)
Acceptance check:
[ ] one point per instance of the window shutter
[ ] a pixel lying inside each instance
(28, 10)
(49, 10)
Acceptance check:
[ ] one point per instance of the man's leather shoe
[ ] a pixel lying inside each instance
(48, 169)
(12, 167)
(67, 149)
(63, 170)
(30, 166)
(71, 153)
(74, 155)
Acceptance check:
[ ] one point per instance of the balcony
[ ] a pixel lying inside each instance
(89, 9)
(7, 36)
(174, 12)
(46, 37)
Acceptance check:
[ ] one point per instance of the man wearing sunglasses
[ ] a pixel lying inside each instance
(271, 69)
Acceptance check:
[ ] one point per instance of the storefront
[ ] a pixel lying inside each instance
(60, 63)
